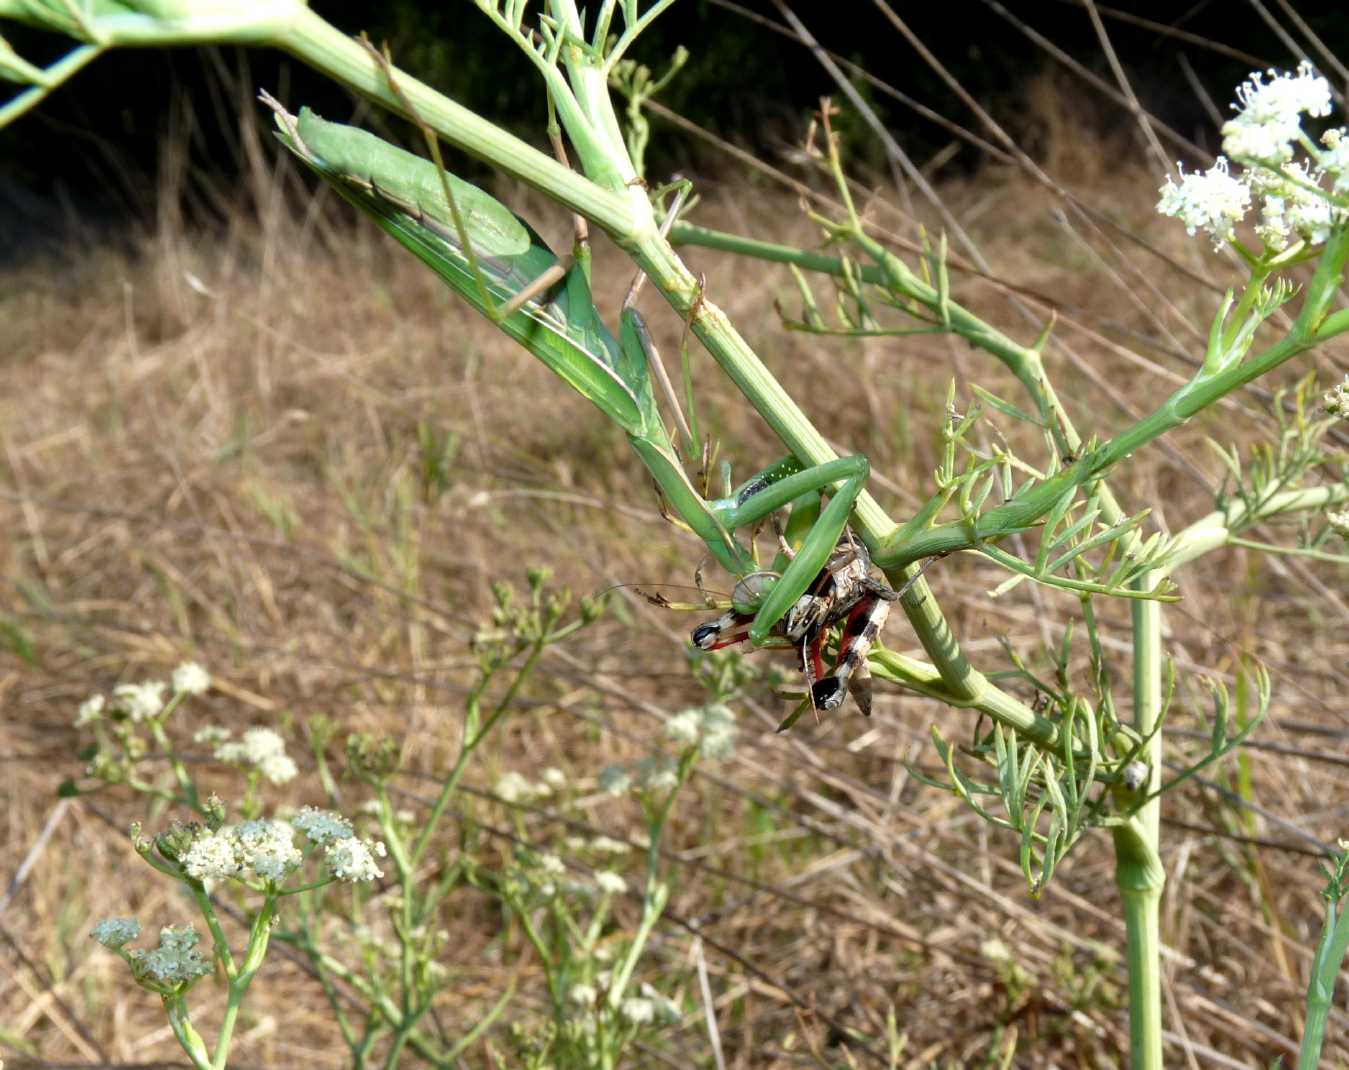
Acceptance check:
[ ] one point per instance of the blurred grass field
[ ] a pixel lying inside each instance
(283, 450)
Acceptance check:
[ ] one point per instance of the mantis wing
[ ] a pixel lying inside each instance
(559, 326)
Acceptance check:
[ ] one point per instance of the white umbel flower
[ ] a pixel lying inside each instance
(683, 728)
(353, 860)
(1213, 202)
(1335, 159)
(1339, 523)
(610, 883)
(268, 848)
(257, 745)
(278, 768)
(606, 846)
(1270, 143)
(1269, 114)
(513, 788)
(114, 932)
(140, 702)
(718, 730)
(176, 960)
(1285, 97)
(615, 780)
(91, 709)
(638, 1011)
(213, 856)
(191, 679)
(322, 826)
(656, 774)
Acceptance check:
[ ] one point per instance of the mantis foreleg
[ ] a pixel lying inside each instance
(781, 485)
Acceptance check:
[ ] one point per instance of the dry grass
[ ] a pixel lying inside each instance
(232, 476)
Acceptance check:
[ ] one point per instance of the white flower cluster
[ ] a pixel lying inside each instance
(143, 701)
(1292, 199)
(322, 826)
(266, 849)
(114, 932)
(1336, 402)
(650, 1008)
(262, 748)
(1213, 202)
(1339, 522)
(710, 727)
(176, 961)
(348, 857)
(518, 790)
(655, 774)
(140, 702)
(353, 860)
(191, 679)
(610, 883)
(1269, 114)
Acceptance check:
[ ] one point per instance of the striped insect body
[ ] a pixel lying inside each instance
(843, 596)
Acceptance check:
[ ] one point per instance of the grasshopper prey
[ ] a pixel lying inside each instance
(492, 259)
(842, 594)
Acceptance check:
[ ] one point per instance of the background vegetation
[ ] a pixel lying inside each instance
(252, 432)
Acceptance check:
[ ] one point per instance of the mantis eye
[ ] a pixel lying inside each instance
(749, 593)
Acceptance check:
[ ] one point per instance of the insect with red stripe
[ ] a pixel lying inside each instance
(842, 593)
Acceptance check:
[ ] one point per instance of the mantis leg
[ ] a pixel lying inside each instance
(778, 486)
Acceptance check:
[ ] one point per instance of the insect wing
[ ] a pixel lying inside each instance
(560, 327)
(412, 182)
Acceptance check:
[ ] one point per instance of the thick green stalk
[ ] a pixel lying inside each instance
(1138, 864)
(258, 936)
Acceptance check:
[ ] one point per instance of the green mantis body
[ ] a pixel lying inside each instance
(489, 256)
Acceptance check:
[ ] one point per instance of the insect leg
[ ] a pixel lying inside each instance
(863, 625)
(727, 630)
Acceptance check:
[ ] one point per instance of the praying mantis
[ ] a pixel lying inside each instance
(500, 266)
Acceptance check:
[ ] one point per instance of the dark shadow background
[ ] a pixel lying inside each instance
(88, 156)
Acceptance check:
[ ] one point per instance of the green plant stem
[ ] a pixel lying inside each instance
(221, 944)
(470, 744)
(1138, 865)
(1222, 527)
(1023, 512)
(258, 937)
(1330, 953)
(657, 891)
(180, 773)
(925, 679)
(66, 67)
(380, 1004)
(318, 44)
(188, 1038)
